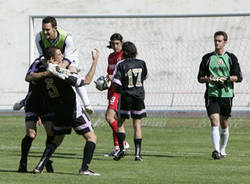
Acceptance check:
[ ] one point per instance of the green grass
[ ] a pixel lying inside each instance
(178, 151)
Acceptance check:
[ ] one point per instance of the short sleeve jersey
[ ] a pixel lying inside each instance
(220, 66)
(113, 59)
(35, 67)
(130, 74)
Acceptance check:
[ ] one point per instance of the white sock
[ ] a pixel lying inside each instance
(224, 134)
(82, 92)
(215, 136)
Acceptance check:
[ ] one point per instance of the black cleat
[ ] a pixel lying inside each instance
(216, 155)
(49, 167)
(22, 167)
(119, 155)
(138, 158)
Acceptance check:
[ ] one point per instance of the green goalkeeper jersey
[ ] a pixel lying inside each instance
(220, 66)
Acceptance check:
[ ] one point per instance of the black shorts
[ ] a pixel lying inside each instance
(129, 105)
(35, 107)
(223, 106)
(78, 120)
(33, 116)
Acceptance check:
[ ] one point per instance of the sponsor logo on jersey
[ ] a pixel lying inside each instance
(220, 68)
(119, 59)
(220, 62)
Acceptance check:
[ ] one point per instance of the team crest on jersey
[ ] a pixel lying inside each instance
(220, 62)
(119, 59)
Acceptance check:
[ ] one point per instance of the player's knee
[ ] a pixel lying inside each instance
(137, 126)
(215, 121)
(92, 138)
(109, 118)
(224, 125)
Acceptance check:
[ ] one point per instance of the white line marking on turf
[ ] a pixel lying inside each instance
(4, 147)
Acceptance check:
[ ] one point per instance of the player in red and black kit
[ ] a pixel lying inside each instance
(113, 97)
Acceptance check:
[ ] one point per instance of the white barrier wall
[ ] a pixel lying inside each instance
(172, 47)
(14, 35)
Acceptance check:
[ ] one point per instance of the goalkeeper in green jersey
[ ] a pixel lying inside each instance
(219, 70)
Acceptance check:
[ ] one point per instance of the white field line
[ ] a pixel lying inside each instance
(4, 147)
(131, 150)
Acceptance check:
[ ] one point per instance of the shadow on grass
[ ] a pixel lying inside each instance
(97, 155)
(30, 172)
(79, 157)
(8, 171)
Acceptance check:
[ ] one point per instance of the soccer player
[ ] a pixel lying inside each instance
(128, 79)
(113, 97)
(35, 107)
(51, 36)
(68, 112)
(219, 70)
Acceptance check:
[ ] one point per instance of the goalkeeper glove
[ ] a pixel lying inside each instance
(218, 80)
(62, 73)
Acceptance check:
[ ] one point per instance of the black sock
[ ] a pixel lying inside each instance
(25, 147)
(137, 147)
(87, 155)
(121, 138)
(49, 140)
(49, 150)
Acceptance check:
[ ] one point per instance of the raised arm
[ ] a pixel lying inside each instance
(90, 74)
(76, 80)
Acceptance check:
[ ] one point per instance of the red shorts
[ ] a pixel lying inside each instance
(113, 101)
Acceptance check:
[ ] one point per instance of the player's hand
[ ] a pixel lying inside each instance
(62, 73)
(223, 79)
(110, 77)
(217, 80)
(95, 54)
(52, 67)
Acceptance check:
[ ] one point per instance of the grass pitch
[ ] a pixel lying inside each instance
(179, 151)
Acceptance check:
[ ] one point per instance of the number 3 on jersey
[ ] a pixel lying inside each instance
(52, 90)
(137, 73)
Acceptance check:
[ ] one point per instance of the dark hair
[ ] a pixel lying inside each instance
(115, 36)
(129, 50)
(50, 52)
(51, 20)
(222, 33)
